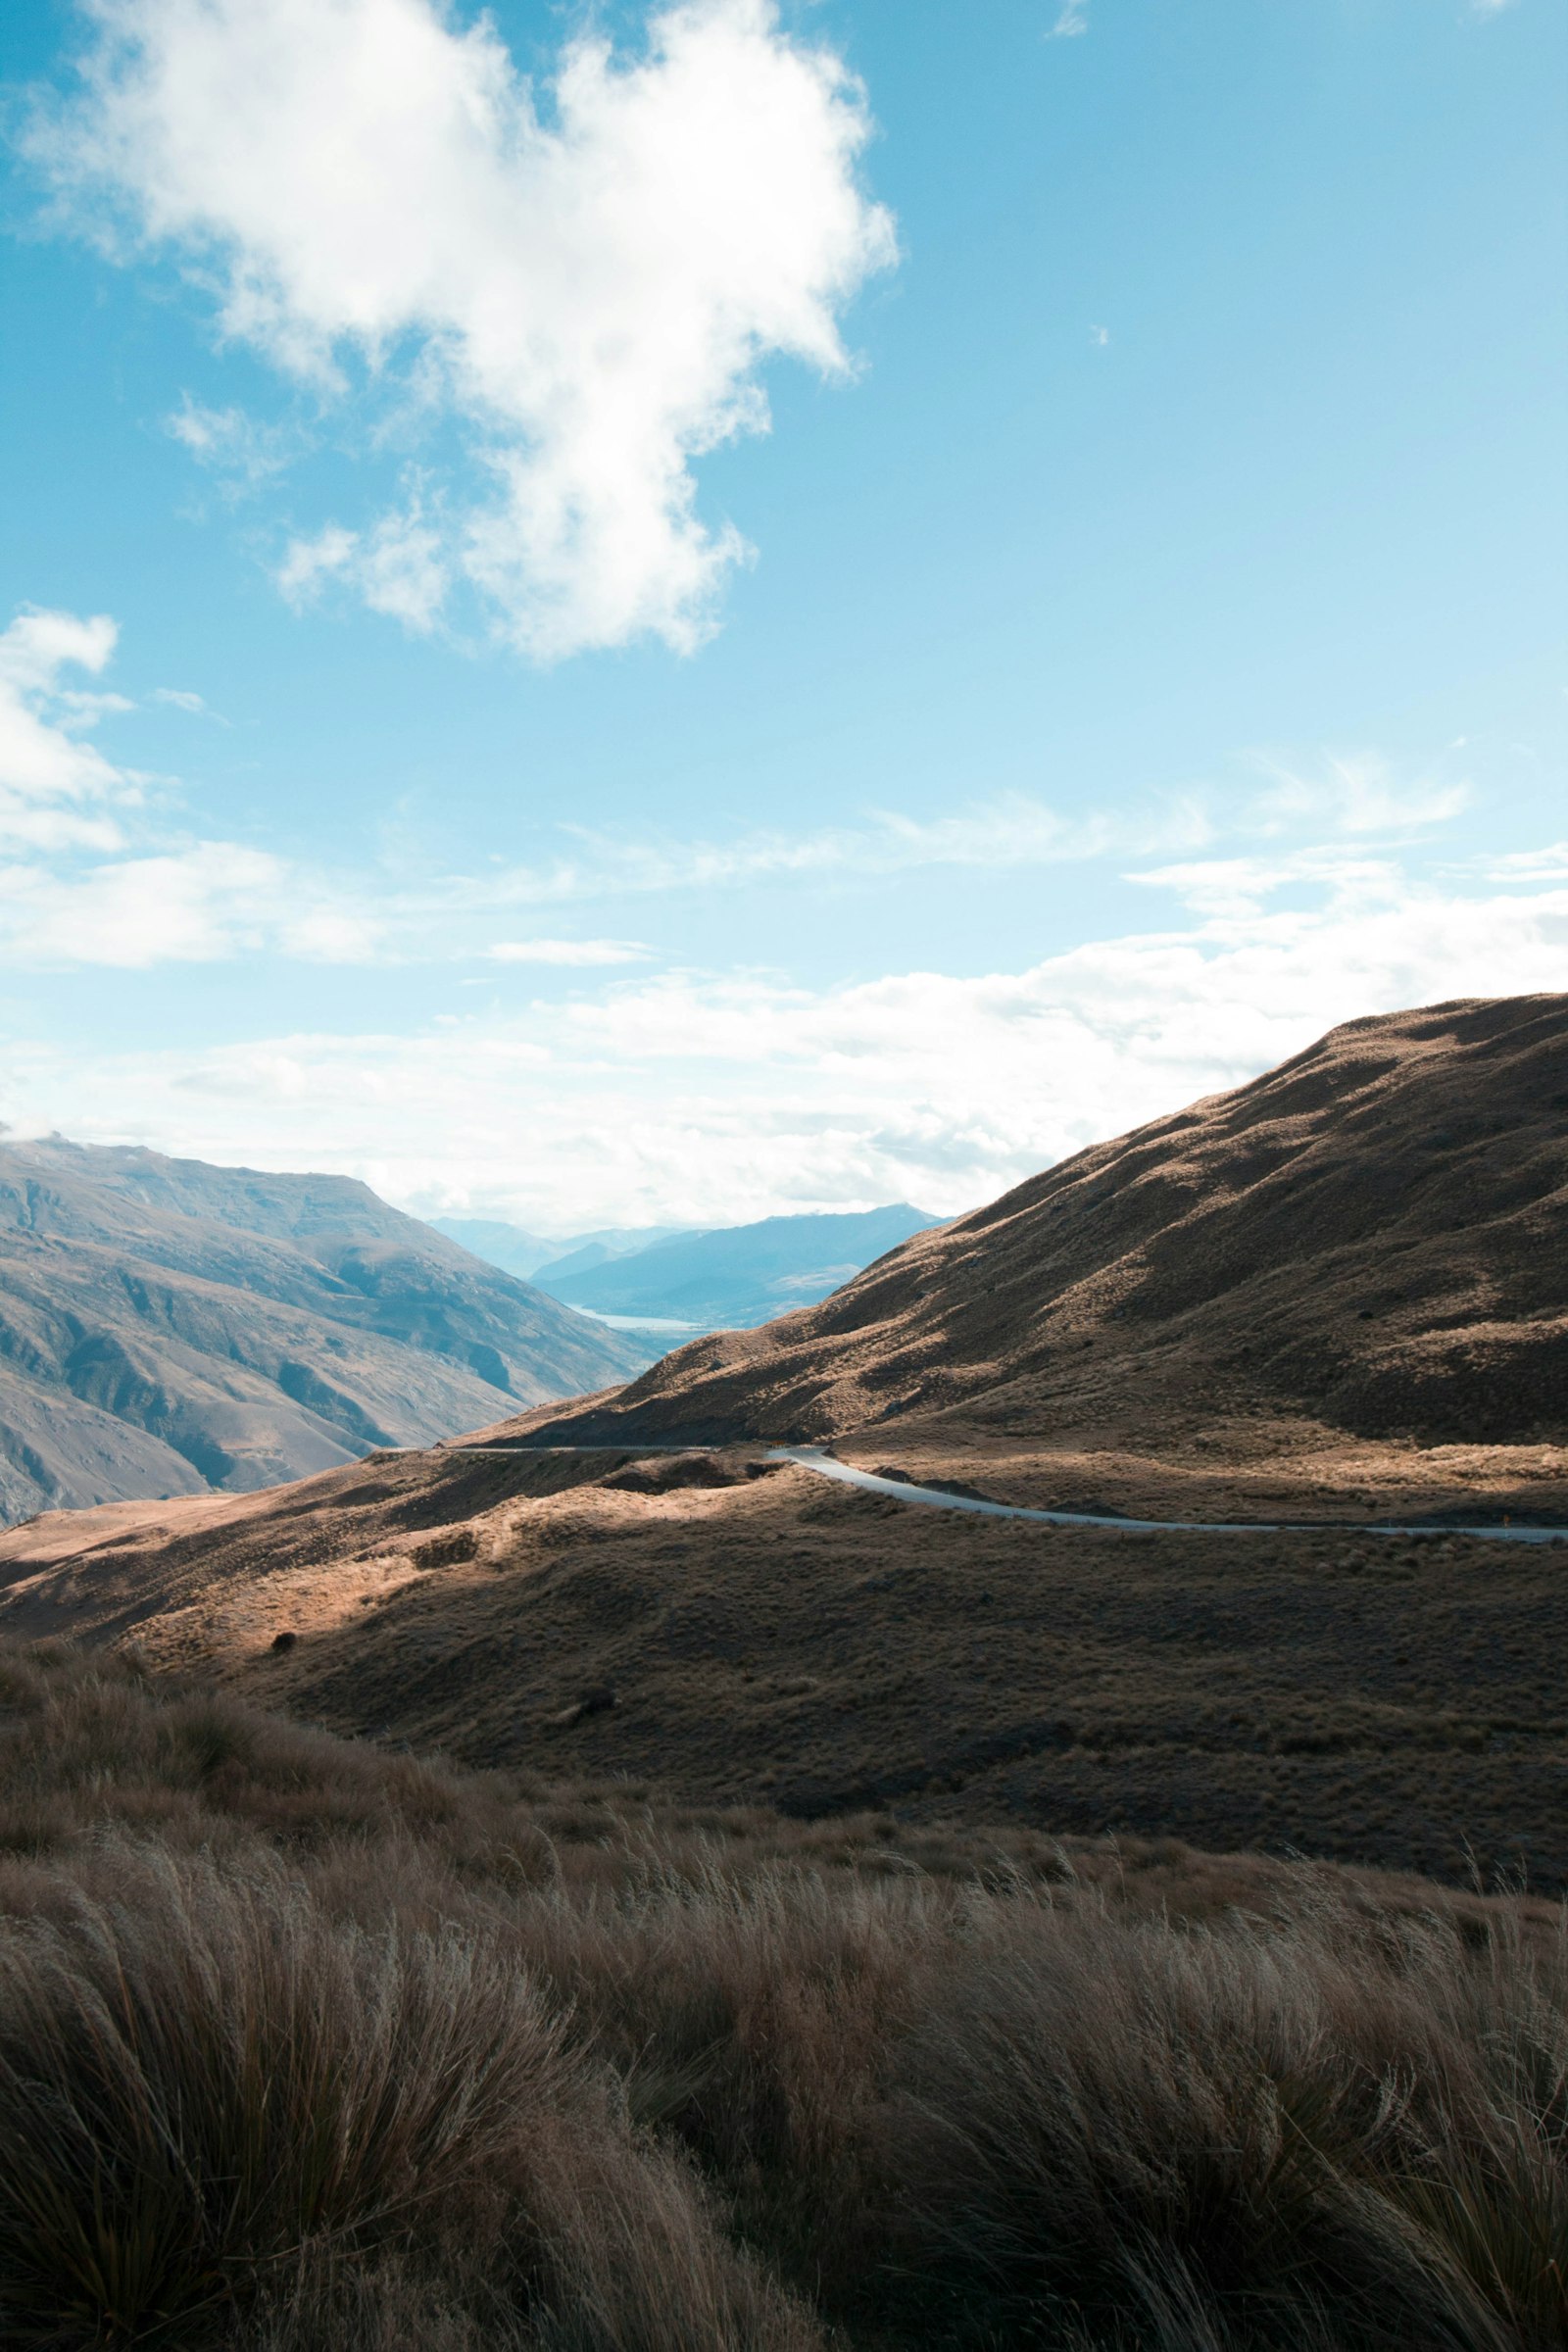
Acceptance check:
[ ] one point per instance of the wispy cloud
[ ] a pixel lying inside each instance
(56, 792)
(587, 282)
(1549, 864)
(243, 453)
(1355, 794)
(181, 698)
(1072, 19)
(105, 873)
(726, 1096)
(567, 952)
(1009, 830)
(93, 871)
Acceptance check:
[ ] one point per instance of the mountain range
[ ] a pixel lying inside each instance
(734, 1276)
(167, 1327)
(528, 1255)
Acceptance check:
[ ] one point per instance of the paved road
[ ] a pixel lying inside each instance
(823, 1465)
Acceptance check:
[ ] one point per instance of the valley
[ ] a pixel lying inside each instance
(677, 1600)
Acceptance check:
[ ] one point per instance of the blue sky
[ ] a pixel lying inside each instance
(668, 616)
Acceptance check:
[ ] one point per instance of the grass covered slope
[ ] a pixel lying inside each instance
(167, 1327)
(309, 2048)
(777, 1639)
(1369, 1243)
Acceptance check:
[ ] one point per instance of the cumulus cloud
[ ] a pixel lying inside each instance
(588, 278)
(685, 1097)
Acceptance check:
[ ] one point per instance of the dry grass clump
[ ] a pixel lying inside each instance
(307, 2048)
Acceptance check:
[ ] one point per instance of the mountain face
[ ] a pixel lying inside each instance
(1372, 1239)
(737, 1276)
(167, 1327)
(512, 1247)
(580, 1250)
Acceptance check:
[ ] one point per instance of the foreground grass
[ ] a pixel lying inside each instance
(306, 2046)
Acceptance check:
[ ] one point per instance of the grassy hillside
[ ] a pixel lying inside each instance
(304, 2047)
(779, 1639)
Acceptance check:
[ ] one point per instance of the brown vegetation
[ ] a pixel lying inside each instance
(777, 1639)
(307, 2048)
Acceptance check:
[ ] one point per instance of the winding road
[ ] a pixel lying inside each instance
(823, 1465)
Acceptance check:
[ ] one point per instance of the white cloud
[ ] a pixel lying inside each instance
(194, 906)
(1356, 792)
(712, 1097)
(56, 792)
(400, 567)
(309, 563)
(588, 284)
(1549, 864)
(566, 951)
(89, 878)
(230, 444)
(181, 698)
(156, 895)
(1071, 20)
(1235, 888)
(1010, 829)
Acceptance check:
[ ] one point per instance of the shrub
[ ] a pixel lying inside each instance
(304, 2047)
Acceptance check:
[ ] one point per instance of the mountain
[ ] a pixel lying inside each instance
(512, 1247)
(1371, 1241)
(529, 1254)
(580, 1250)
(1240, 1312)
(166, 1326)
(737, 1276)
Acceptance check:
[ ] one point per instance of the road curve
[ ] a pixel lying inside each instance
(845, 1474)
(812, 1457)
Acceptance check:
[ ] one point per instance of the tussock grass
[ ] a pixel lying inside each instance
(304, 2046)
